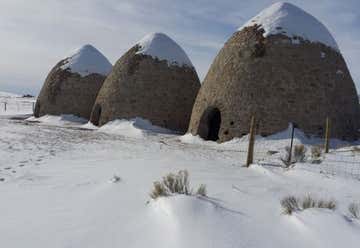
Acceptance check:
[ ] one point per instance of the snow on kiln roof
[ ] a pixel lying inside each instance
(161, 46)
(87, 60)
(290, 20)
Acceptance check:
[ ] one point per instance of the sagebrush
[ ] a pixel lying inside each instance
(298, 155)
(201, 190)
(292, 204)
(316, 152)
(175, 184)
(356, 149)
(354, 210)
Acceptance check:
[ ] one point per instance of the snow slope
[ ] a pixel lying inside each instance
(87, 60)
(161, 46)
(58, 190)
(290, 20)
(134, 128)
(62, 120)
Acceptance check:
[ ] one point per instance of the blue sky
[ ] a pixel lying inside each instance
(36, 34)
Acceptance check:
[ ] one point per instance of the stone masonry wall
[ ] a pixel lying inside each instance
(141, 86)
(278, 82)
(65, 92)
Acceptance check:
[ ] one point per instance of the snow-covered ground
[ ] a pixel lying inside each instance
(13, 104)
(57, 190)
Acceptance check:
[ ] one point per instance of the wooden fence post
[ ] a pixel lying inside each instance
(250, 155)
(293, 125)
(327, 135)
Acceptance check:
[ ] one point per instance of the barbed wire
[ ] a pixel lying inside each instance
(343, 161)
(339, 162)
(17, 106)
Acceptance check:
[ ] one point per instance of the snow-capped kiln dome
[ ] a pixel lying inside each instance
(154, 80)
(162, 47)
(293, 22)
(282, 66)
(73, 84)
(87, 60)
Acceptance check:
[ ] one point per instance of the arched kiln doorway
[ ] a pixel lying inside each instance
(210, 123)
(96, 114)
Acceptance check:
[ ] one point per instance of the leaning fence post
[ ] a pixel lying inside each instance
(293, 125)
(250, 155)
(327, 135)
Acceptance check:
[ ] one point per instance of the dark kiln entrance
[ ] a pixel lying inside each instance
(209, 125)
(96, 115)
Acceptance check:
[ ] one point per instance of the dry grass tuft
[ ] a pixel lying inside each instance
(308, 202)
(329, 204)
(316, 152)
(158, 190)
(202, 190)
(356, 149)
(286, 159)
(175, 184)
(354, 210)
(292, 204)
(298, 155)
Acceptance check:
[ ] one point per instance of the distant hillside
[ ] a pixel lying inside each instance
(7, 94)
(4, 94)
